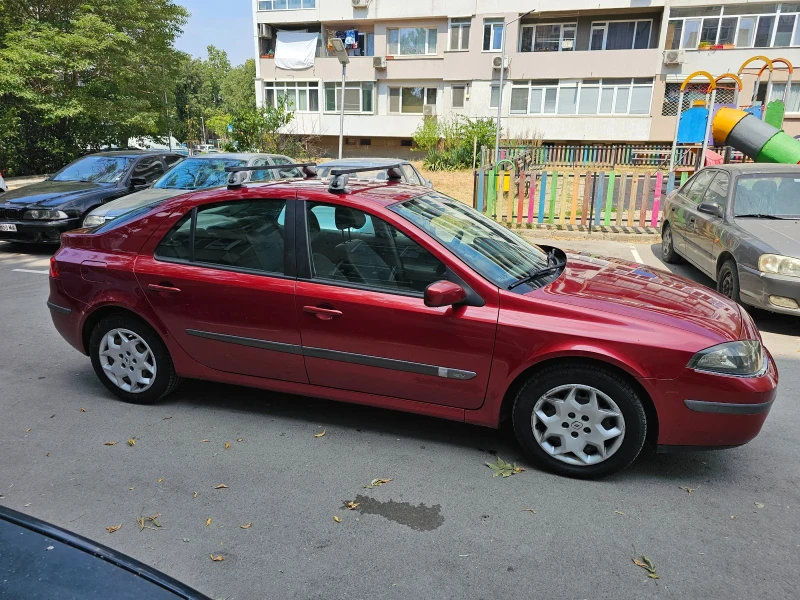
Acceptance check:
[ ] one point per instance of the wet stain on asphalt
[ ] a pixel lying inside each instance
(419, 518)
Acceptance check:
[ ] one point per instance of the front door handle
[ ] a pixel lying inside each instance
(325, 314)
(163, 288)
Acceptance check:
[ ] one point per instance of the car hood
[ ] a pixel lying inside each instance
(128, 203)
(51, 193)
(642, 293)
(783, 236)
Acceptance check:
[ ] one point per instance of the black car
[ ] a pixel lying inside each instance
(39, 561)
(42, 211)
(740, 225)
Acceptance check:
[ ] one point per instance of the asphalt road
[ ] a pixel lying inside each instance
(443, 527)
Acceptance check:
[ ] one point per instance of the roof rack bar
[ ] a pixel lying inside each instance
(269, 167)
(350, 170)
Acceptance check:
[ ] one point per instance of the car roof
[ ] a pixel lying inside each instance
(754, 168)
(128, 153)
(237, 155)
(366, 162)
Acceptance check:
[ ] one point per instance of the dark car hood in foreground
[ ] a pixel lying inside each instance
(783, 236)
(646, 294)
(52, 193)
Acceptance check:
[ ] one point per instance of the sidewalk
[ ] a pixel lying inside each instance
(635, 235)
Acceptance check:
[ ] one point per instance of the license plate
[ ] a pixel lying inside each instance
(8, 227)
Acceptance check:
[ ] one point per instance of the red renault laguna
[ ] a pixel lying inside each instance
(396, 296)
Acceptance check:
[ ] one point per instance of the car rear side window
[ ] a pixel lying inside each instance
(148, 168)
(239, 235)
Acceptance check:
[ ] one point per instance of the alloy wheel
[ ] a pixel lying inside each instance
(666, 243)
(127, 360)
(726, 284)
(578, 424)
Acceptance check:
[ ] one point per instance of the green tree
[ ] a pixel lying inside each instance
(261, 129)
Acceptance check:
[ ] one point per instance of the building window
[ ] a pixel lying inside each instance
(548, 38)
(301, 96)
(366, 45)
(286, 4)
(459, 92)
(407, 143)
(410, 41)
(365, 142)
(741, 25)
(411, 100)
(494, 96)
(621, 35)
(778, 89)
(694, 91)
(492, 35)
(583, 97)
(358, 97)
(459, 33)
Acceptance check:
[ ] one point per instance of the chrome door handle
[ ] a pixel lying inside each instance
(325, 314)
(163, 288)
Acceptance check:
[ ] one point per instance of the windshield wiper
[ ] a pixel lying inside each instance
(539, 273)
(759, 216)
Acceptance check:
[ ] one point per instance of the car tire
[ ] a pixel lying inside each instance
(127, 353)
(546, 394)
(728, 281)
(668, 253)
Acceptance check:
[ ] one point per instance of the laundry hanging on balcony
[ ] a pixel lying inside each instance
(295, 50)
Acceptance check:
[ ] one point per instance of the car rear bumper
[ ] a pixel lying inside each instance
(757, 287)
(67, 315)
(38, 232)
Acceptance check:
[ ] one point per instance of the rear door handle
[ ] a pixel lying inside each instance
(163, 288)
(326, 314)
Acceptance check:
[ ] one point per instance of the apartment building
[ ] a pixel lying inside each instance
(575, 71)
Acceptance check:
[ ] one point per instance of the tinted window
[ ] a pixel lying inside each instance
(244, 235)
(198, 174)
(97, 169)
(697, 186)
(286, 173)
(172, 160)
(352, 246)
(148, 168)
(717, 192)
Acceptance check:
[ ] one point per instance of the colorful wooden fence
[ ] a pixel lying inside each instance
(573, 198)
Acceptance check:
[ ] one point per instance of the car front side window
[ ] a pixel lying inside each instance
(699, 185)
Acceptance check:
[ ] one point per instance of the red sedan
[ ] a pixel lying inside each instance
(400, 297)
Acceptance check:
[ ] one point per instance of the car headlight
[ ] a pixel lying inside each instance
(94, 220)
(50, 215)
(744, 358)
(779, 265)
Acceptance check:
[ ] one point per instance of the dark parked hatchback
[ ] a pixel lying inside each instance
(41, 212)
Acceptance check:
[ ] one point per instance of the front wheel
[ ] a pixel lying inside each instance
(130, 359)
(580, 420)
(728, 281)
(668, 246)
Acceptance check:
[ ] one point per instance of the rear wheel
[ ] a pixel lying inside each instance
(130, 359)
(667, 246)
(579, 420)
(728, 281)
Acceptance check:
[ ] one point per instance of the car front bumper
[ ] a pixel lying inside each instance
(38, 232)
(757, 287)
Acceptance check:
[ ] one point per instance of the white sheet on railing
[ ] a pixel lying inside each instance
(294, 50)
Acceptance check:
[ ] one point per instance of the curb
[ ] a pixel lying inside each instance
(633, 235)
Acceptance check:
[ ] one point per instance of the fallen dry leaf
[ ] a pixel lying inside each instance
(337, 519)
(47, 454)
(160, 479)
(248, 526)
(133, 488)
(646, 564)
(84, 410)
(687, 489)
(132, 442)
(204, 441)
(113, 528)
(142, 521)
(350, 505)
(376, 483)
(319, 435)
(227, 445)
(221, 486)
(530, 510)
(239, 439)
(110, 444)
(208, 521)
(166, 418)
(619, 512)
(759, 505)
(194, 495)
(217, 558)
(27, 430)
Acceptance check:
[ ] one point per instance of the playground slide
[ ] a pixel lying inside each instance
(754, 138)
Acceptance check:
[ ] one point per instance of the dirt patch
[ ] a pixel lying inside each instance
(456, 184)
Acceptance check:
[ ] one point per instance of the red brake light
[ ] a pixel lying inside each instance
(53, 267)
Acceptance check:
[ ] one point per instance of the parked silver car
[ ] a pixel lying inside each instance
(194, 173)
(410, 173)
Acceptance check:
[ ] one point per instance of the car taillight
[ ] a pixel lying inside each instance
(53, 267)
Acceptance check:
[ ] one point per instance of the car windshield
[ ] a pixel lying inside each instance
(200, 173)
(499, 255)
(96, 169)
(768, 196)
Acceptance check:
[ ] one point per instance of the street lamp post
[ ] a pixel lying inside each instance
(203, 122)
(341, 55)
(500, 90)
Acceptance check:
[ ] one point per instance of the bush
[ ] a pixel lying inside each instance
(450, 142)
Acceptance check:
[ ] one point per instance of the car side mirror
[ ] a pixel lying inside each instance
(444, 293)
(710, 208)
(138, 182)
(428, 184)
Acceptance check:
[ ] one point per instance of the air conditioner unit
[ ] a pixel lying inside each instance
(360, 3)
(673, 57)
(379, 62)
(265, 31)
(429, 110)
(497, 61)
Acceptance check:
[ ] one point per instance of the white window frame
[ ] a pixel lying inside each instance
(269, 5)
(633, 83)
(400, 98)
(281, 87)
(430, 31)
(604, 26)
(337, 85)
(465, 88)
(561, 48)
(460, 24)
(795, 36)
(491, 23)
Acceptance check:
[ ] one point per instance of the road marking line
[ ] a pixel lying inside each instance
(31, 271)
(636, 255)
